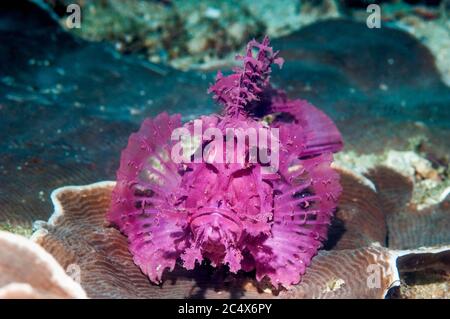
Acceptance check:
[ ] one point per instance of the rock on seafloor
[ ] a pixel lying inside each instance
(190, 34)
(28, 271)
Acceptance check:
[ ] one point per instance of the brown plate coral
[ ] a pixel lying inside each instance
(357, 261)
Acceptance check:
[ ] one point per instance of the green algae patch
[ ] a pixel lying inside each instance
(25, 231)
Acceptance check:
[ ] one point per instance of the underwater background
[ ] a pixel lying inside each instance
(70, 97)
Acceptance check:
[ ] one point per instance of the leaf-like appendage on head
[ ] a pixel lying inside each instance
(247, 83)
